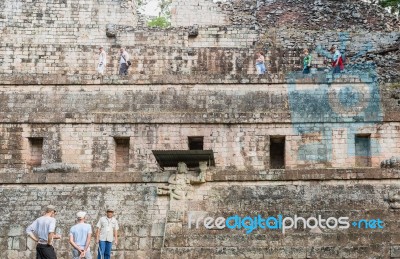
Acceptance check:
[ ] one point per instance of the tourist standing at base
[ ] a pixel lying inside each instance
(79, 237)
(124, 62)
(106, 234)
(101, 66)
(260, 63)
(42, 231)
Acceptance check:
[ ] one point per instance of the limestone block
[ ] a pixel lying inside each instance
(15, 230)
(157, 230)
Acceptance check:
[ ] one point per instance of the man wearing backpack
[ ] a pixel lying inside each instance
(124, 62)
(337, 60)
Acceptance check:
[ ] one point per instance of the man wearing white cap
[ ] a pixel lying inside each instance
(79, 237)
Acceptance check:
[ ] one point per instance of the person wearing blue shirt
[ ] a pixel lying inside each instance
(42, 231)
(260, 64)
(79, 237)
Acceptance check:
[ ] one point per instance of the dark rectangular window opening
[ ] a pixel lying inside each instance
(363, 150)
(277, 152)
(121, 154)
(196, 143)
(36, 151)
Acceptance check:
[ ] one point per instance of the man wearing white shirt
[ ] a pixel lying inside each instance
(106, 233)
(101, 66)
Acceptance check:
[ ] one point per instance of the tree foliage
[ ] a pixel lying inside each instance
(163, 12)
(394, 5)
(160, 22)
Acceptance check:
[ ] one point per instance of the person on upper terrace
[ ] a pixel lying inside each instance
(124, 62)
(101, 66)
(337, 60)
(260, 63)
(306, 62)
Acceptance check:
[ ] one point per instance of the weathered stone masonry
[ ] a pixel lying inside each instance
(61, 42)
(79, 125)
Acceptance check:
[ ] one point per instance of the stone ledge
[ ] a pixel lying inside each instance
(56, 168)
(288, 251)
(307, 175)
(194, 103)
(138, 79)
(213, 175)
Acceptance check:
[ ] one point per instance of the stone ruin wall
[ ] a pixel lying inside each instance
(78, 125)
(216, 55)
(182, 86)
(142, 217)
(39, 53)
(142, 220)
(62, 22)
(202, 13)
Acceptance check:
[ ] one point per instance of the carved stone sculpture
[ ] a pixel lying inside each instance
(193, 30)
(180, 182)
(393, 162)
(111, 30)
(394, 200)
